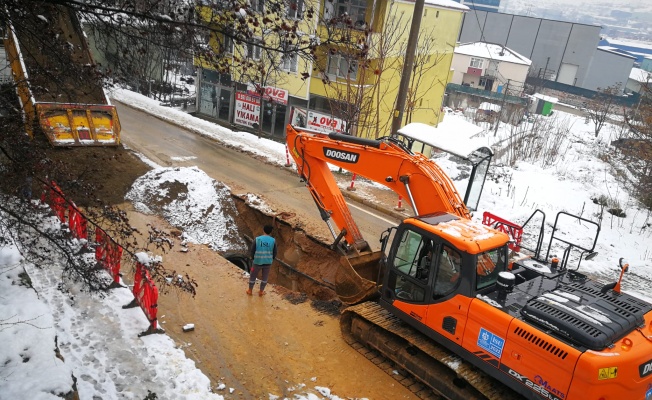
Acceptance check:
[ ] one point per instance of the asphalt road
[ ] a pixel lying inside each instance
(160, 141)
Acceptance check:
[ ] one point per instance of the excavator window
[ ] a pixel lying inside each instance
(448, 271)
(412, 262)
(410, 253)
(488, 265)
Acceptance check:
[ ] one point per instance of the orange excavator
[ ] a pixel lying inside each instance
(445, 298)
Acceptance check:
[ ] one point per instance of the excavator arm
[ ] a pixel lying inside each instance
(411, 175)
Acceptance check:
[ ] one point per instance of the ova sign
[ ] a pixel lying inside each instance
(277, 95)
(325, 123)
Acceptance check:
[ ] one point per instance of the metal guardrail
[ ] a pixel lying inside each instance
(452, 87)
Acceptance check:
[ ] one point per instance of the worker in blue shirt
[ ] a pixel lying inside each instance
(263, 252)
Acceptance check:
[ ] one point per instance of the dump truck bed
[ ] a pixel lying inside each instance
(58, 85)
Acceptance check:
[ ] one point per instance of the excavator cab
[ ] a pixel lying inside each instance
(425, 267)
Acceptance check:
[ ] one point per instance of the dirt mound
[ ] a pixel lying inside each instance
(193, 202)
(109, 172)
(56, 55)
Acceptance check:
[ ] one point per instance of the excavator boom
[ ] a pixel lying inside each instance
(387, 161)
(411, 175)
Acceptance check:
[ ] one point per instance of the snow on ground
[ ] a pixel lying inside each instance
(99, 340)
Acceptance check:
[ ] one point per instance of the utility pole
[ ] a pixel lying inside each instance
(407, 66)
(502, 105)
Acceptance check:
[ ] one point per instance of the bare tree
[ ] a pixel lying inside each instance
(639, 145)
(600, 107)
(139, 40)
(376, 117)
(361, 68)
(544, 141)
(345, 69)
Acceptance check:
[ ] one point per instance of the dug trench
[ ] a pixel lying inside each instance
(304, 264)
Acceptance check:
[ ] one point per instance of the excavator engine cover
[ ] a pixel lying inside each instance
(584, 314)
(356, 281)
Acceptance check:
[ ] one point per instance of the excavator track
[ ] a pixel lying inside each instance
(381, 336)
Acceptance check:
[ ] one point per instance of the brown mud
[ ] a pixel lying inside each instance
(265, 345)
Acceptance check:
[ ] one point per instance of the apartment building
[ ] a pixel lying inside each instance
(351, 83)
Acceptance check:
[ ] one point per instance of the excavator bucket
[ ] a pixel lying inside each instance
(357, 280)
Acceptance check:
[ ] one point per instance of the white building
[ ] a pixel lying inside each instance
(637, 79)
(488, 66)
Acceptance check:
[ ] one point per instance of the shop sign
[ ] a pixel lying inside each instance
(325, 123)
(247, 109)
(279, 96)
(298, 117)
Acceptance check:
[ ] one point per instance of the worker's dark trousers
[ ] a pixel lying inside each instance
(254, 274)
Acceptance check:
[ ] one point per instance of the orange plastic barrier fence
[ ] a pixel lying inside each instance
(77, 223)
(100, 241)
(513, 230)
(53, 196)
(146, 296)
(108, 254)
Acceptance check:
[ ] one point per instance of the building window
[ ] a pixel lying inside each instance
(492, 68)
(354, 9)
(295, 9)
(342, 67)
(254, 51)
(289, 57)
(227, 44)
(476, 62)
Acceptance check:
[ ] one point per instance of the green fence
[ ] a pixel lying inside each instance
(452, 88)
(628, 101)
